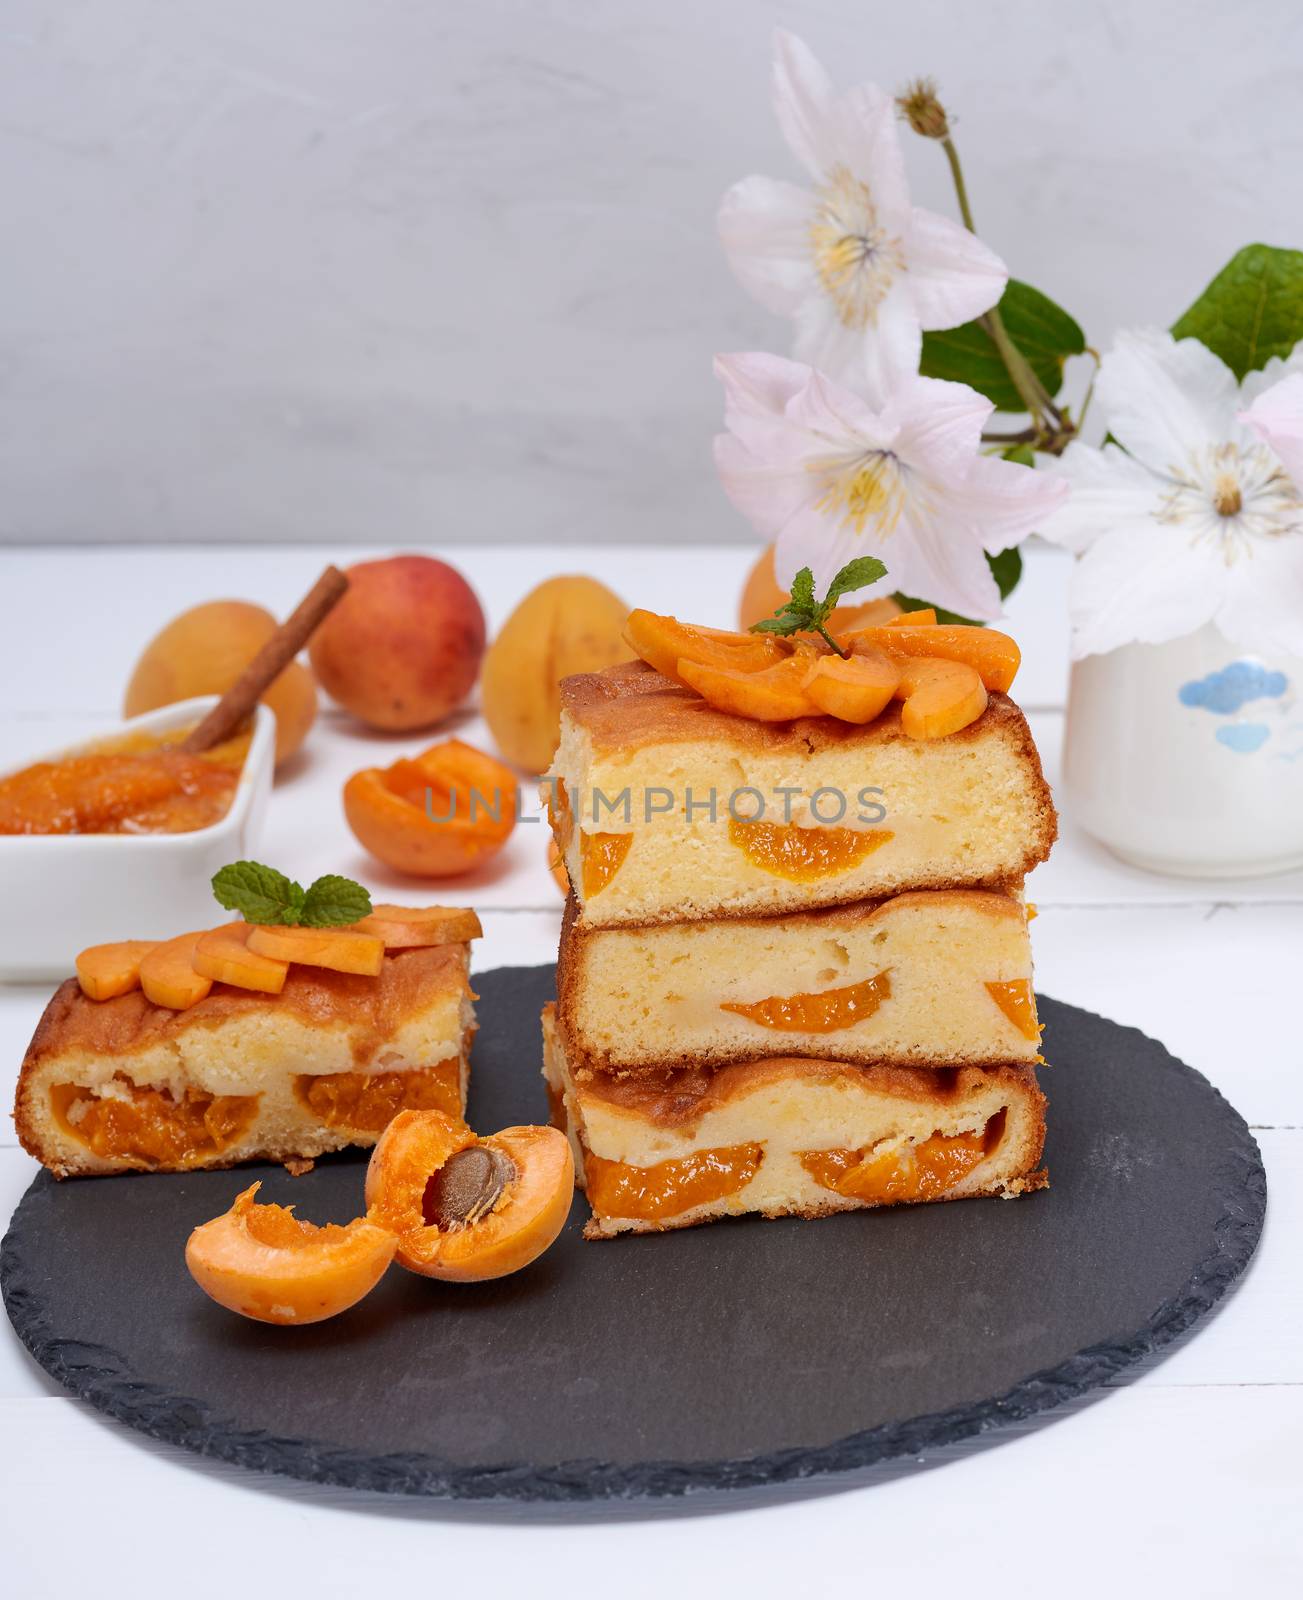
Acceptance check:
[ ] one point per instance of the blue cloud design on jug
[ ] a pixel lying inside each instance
(1225, 691)
(1243, 737)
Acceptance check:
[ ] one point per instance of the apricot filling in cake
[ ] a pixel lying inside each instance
(941, 977)
(790, 1136)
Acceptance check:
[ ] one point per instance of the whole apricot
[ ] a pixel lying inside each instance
(564, 626)
(204, 650)
(403, 647)
(762, 596)
(262, 1262)
(463, 1208)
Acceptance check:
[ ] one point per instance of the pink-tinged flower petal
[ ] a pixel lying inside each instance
(810, 538)
(768, 496)
(942, 562)
(803, 100)
(1276, 416)
(1263, 605)
(874, 362)
(1163, 400)
(941, 422)
(837, 421)
(865, 139)
(952, 275)
(1007, 502)
(757, 384)
(764, 226)
(1130, 590)
(1109, 489)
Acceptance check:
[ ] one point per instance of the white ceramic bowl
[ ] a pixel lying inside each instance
(66, 891)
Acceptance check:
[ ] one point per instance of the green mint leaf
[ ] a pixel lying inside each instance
(1251, 311)
(1044, 332)
(782, 622)
(857, 574)
(332, 901)
(258, 893)
(803, 589)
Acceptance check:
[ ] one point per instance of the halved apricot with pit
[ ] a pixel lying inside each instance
(464, 1208)
(995, 657)
(337, 949)
(938, 697)
(107, 970)
(264, 1263)
(409, 927)
(223, 954)
(665, 642)
(168, 976)
(854, 690)
(436, 815)
(774, 694)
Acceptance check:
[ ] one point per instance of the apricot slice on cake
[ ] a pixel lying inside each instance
(665, 642)
(407, 927)
(994, 656)
(774, 694)
(337, 949)
(223, 954)
(464, 1208)
(854, 690)
(168, 976)
(938, 697)
(262, 1262)
(105, 971)
(437, 815)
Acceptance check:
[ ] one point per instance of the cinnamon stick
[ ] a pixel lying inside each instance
(239, 700)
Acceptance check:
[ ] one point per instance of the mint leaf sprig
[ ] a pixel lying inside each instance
(261, 894)
(804, 614)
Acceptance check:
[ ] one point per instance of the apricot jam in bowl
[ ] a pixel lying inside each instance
(119, 836)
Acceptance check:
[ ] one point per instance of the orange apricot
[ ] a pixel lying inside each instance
(924, 617)
(855, 690)
(168, 976)
(556, 865)
(434, 816)
(337, 949)
(262, 1262)
(762, 596)
(665, 642)
(107, 970)
(223, 954)
(406, 927)
(774, 694)
(463, 1208)
(1016, 1000)
(601, 855)
(994, 656)
(938, 697)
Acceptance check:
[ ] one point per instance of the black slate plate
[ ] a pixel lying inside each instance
(745, 1354)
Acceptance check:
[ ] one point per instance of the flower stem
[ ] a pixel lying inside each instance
(820, 629)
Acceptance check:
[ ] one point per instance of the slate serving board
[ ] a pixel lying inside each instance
(746, 1354)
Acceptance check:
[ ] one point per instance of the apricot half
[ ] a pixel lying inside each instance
(439, 814)
(463, 1208)
(774, 694)
(938, 697)
(665, 642)
(105, 971)
(854, 690)
(262, 1262)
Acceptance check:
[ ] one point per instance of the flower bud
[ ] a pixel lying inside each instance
(919, 106)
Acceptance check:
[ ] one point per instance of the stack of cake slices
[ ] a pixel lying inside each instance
(816, 1007)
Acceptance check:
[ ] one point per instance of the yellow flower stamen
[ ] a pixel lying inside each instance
(855, 258)
(868, 490)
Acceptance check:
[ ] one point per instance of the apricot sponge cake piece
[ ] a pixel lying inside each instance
(655, 795)
(940, 977)
(791, 1136)
(124, 1084)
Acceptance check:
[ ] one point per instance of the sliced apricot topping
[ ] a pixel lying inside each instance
(789, 851)
(938, 697)
(995, 657)
(410, 927)
(146, 1127)
(223, 954)
(1016, 1000)
(669, 1188)
(465, 1209)
(665, 643)
(168, 976)
(774, 694)
(923, 1171)
(337, 949)
(826, 1011)
(439, 814)
(369, 1101)
(601, 855)
(855, 690)
(105, 971)
(262, 1262)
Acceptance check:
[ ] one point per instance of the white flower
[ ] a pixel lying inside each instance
(814, 467)
(1196, 518)
(859, 269)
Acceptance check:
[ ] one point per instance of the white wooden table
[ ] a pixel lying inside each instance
(1188, 1479)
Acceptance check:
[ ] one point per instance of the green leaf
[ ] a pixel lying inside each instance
(790, 619)
(332, 901)
(857, 574)
(258, 893)
(803, 588)
(1006, 569)
(1043, 331)
(1251, 311)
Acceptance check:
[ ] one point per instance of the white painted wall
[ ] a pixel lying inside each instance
(409, 270)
